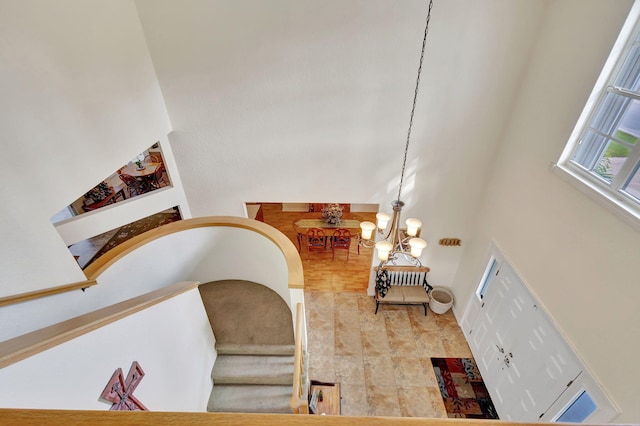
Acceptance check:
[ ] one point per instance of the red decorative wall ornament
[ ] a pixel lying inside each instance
(120, 391)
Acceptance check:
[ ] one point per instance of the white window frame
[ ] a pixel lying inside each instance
(618, 202)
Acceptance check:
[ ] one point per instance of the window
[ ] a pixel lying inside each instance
(489, 273)
(583, 401)
(579, 409)
(604, 152)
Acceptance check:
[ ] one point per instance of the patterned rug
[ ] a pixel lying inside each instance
(135, 228)
(463, 391)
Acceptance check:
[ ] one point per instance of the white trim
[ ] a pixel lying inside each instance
(616, 201)
(611, 65)
(620, 207)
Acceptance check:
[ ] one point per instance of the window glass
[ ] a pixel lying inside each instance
(604, 154)
(632, 187)
(491, 272)
(628, 76)
(579, 410)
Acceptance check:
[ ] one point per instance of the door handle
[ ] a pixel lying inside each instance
(501, 350)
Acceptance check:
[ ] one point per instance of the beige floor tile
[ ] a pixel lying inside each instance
(322, 368)
(348, 342)
(422, 324)
(409, 371)
(455, 349)
(349, 369)
(430, 344)
(375, 343)
(354, 400)
(383, 401)
(430, 375)
(321, 339)
(373, 323)
(415, 401)
(401, 344)
(397, 320)
(437, 404)
(378, 371)
(382, 361)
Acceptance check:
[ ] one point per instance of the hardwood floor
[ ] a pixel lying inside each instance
(320, 272)
(383, 361)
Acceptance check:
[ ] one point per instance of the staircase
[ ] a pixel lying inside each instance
(254, 369)
(252, 379)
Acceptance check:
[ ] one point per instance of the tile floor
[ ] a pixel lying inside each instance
(382, 361)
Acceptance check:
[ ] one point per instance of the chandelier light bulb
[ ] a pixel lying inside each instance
(417, 245)
(383, 220)
(412, 226)
(384, 248)
(367, 230)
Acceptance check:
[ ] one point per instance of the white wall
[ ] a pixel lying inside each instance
(201, 254)
(258, 90)
(172, 341)
(575, 256)
(291, 101)
(113, 216)
(79, 98)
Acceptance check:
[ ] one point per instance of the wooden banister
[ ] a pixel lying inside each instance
(288, 249)
(299, 402)
(23, 297)
(24, 417)
(93, 271)
(21, 347)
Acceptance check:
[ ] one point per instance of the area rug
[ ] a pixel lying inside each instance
(463, 391)
(135, 228)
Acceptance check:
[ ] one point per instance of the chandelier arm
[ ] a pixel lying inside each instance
(415, 98)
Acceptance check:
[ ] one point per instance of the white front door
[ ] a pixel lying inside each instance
(523, 359)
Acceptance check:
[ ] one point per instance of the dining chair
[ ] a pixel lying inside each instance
(151, 158)
(133, 184)
(158, 176)
(341, 240)
(316, 239)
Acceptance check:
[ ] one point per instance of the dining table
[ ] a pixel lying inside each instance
(349, 221)
(146, 173)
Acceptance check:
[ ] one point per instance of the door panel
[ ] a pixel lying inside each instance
(523, 359)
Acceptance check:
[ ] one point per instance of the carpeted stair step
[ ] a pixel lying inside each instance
(253, 369)
(248, 349)
(250, 399)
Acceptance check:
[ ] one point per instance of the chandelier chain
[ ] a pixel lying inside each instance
(415, 98)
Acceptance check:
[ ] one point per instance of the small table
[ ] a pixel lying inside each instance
(330, 404)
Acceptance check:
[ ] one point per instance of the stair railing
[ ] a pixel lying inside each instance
(299, 402)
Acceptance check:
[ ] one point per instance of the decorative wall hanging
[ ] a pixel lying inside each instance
(450, 242)
(119, 391)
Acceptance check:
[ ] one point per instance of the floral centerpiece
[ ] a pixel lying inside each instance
(332, 213)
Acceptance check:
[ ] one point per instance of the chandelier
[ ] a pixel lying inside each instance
(393, 242)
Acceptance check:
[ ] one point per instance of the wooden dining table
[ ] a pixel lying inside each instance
(146, 173)
(349, 221)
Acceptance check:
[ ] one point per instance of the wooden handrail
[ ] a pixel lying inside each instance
(24, 417)
(292, 257)
(26, 345)
(23, 297)
(93, 271)
(299, 402)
